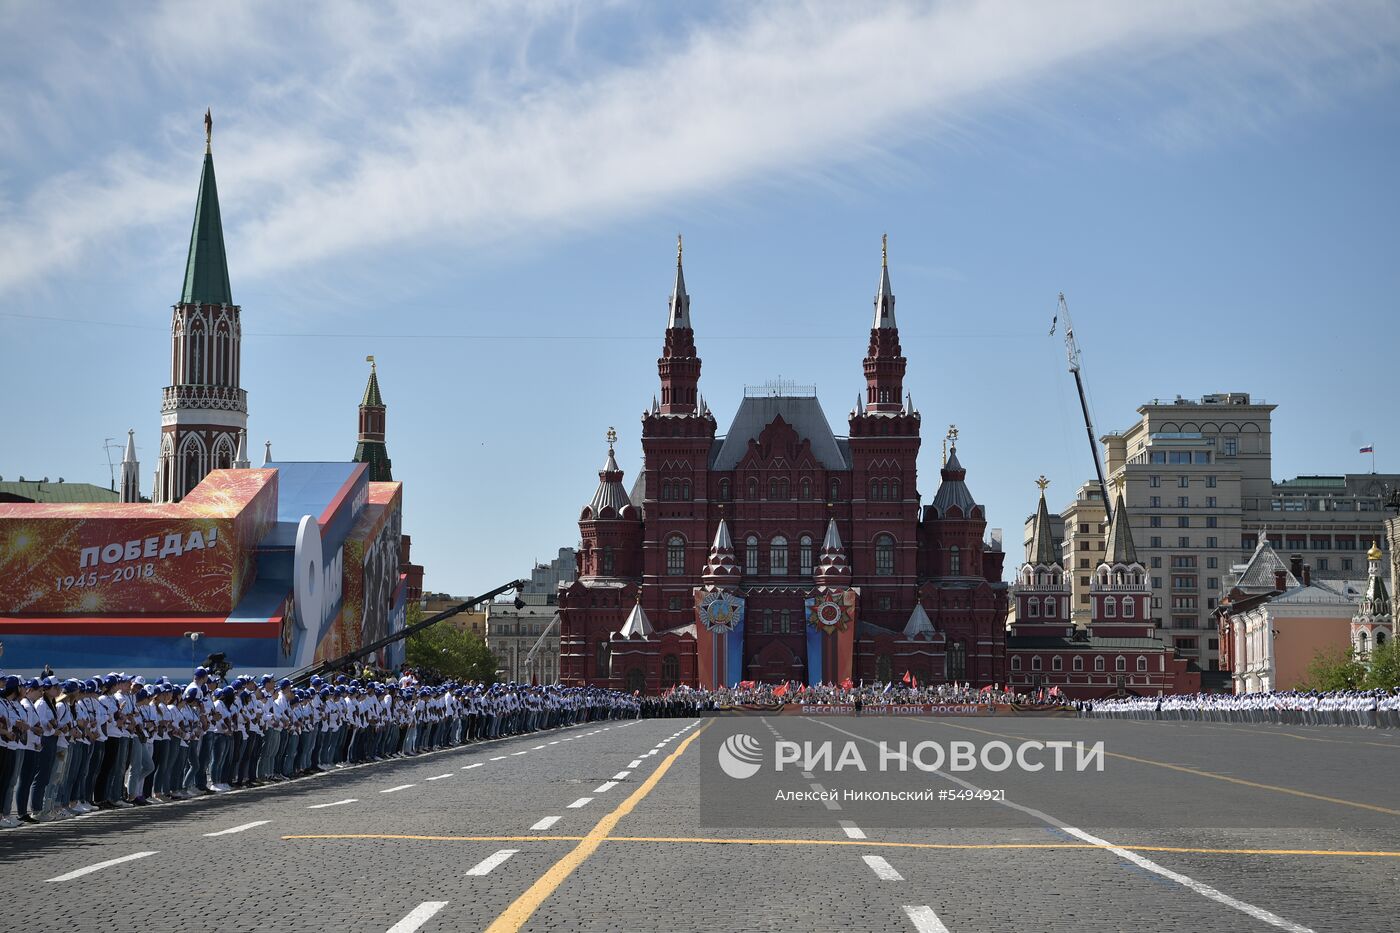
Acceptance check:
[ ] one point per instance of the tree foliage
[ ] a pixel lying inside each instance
(1340, 669)
(443, 652)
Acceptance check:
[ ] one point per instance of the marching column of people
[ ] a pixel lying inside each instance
(70, 746)
(1377, 709)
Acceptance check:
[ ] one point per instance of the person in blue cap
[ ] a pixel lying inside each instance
(39, 720)
(13, 745)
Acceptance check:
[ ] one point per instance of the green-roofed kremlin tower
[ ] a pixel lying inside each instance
(203, 409)
(370, 448)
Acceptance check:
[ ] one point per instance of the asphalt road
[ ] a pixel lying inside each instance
(605, 827)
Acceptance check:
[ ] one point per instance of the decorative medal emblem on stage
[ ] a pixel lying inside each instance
(719, 611)
(831, 611)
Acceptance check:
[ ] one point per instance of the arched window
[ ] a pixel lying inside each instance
(603, 661)
(784, 621)
(1015, 662)
(957, 661)
(724, 490)
(1078, 662)
(1098, 662)
(804, 555)
(753, 488)
(1361, 642)
(774, 489)
(1035, 662)
(835, 490)
(884, 556)
(885, 490)
(1033, 607)
(1380, 637)
(675, 555)
(670, 671)
(685, 490)
(666, 490)
(778, 556)
(751, 554)
(874, 489)
(1141, 663)
(1120, 663)
(1110, 607)
(767, 621)
(805, 488)
(954, 561)
(607, 560)
(1129, 607)
(894, 490)
(1057, 663)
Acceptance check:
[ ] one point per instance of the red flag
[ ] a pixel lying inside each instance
(908, 677)
(987, 689)
(914, 682)
(846, 684)
(780, 691)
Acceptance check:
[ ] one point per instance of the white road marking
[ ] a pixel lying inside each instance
(1185, 881)
(537, 748)
(882, 869)
(604, 787)
(239, 829)
(390, 790)
(440, 777)
(620, 775)
(555, 742)
(484, 866)
(807, 775)
(635, 764)
(499, 758)
(526, 752)
(546, 822)
(925, 920)
(829, 804)
(78, 873)
(852, 830)
(322, 806)
(418, 916)
(469, 767)
(581, 802)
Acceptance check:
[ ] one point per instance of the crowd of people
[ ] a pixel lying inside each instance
(70, 746)
(862, 695)
(1371, 708)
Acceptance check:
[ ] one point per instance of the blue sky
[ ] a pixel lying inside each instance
(486, 197)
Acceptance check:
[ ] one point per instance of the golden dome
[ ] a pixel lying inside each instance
(1374, 553)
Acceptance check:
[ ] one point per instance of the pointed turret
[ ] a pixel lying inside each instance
(610, 493)
(721, 568)
(884, 295)
(919, 624)
(832, 565)
(267, 453)
(680, 301)
(370, 448)
(1043, 542)
(884, 360)
(953, 492)
(131, 471)
(679, 366)
(206, 268)
(637, 624)
(1120, 549)
(240, 459)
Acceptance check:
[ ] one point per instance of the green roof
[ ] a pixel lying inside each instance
(206, 270)
(376, 454)
(372, 398)
(35, 491)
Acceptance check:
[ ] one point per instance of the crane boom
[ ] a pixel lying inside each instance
(1072, 354)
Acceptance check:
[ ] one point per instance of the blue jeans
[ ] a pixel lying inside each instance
(34, 779)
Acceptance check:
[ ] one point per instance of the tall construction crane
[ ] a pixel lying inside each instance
(1072, 352)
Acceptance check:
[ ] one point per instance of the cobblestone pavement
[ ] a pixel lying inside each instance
(605, 827)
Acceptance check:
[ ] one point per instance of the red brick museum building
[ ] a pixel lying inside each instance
(778, 550)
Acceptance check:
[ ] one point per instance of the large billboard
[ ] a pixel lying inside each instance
(371, 574)
(85, 559)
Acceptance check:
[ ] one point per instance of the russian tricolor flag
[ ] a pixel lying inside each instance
(1368, 449)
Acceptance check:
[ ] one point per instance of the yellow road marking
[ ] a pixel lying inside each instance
(969, 846)
(1207, 774)
(515, 916)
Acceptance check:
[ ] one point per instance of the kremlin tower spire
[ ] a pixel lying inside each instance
(679, 366)
(371, 448)
(203, 409)
(884, 364)
(131, 471)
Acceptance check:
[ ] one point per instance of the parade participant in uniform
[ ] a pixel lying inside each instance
(13, 745)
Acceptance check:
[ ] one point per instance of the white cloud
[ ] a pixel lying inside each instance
(347, 129)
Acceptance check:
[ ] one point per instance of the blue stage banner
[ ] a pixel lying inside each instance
(815, 637)
(734, 653)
